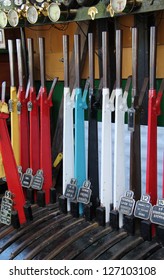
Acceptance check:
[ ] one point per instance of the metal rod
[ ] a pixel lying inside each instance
(91, 60)
(118, 58)
(3, 92)
(42, 60)
(161, 89)
(24, 53)
(11, 62)
(128, 82)
(77, 59)
(52, 87)
(134, 60)
(66, 59)
(104, 58)
(27, 89)
(143, 91)
(30, 60)
(20, 64)
(152, 74)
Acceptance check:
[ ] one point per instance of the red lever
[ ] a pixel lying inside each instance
(12, 177)
(151, 171)
(158, 103)
(33, 105)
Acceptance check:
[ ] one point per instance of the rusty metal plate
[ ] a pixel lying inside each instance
(101, 245)
(76, 235)
(15, 234)
(54, 235)
(158, 255)
(119, 249)
(142, 251)
(18, 248)
(81, 244)
(45, 246)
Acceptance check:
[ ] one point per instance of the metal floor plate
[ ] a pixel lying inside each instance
(54, 235)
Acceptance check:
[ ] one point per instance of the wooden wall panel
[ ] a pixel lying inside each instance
(126, 62)
(125, 23)
(160, 33)
(160, 62)
(54, 48)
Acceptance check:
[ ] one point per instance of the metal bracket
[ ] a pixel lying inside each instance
(110, 104)
(123, 106)
(92, 11)
(19, 106)
(11, 103)
(29, 106)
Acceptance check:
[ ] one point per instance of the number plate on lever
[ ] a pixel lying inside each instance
(127, 203)
(84, 194)
(157, 215)
(20, 172)
(71, 190)
(27, 178)
(6, 208)
(38, 180)
(143, 208)
(131, 119)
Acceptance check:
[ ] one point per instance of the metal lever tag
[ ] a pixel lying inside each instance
(38, 180)
(27, 178)
(157, 215)
(84, 193)
(71, 190)
(20, 172)
(6, 208)
(19, 106)
(29, 106)
(143, 208)
(127, 203)
(131, 119)
(10, 103)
